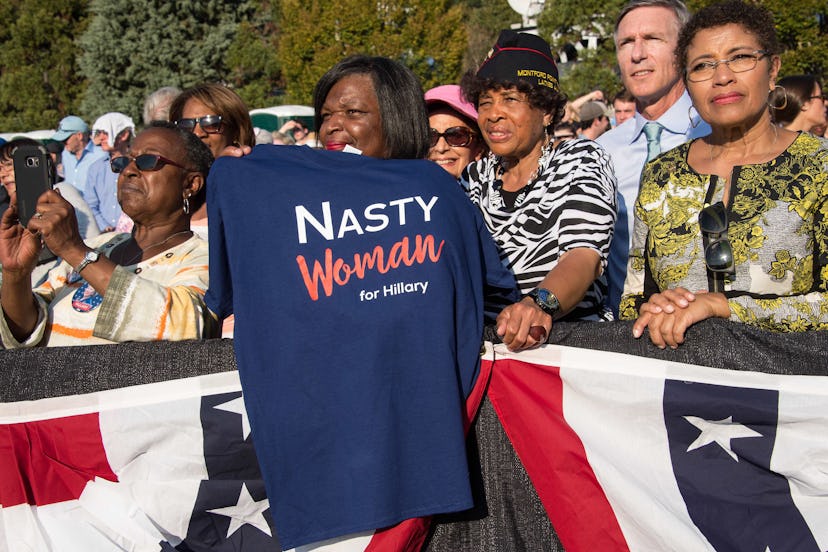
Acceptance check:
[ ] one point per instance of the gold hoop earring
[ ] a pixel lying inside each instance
(773, 92)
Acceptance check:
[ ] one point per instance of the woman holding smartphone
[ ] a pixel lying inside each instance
(143, 286)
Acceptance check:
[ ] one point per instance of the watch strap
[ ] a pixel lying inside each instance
(546, 300)
(89, 258)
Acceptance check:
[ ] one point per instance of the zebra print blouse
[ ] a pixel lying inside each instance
(571, 204)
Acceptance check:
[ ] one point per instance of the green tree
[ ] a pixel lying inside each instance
(39, 78)
(485, 21)
(426, 35)
(801, 27)
(133, 47)
(564, 23)
(254, 68)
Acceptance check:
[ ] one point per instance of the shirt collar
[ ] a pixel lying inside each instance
(675, 120)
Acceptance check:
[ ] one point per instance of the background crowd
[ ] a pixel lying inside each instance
(697, 193)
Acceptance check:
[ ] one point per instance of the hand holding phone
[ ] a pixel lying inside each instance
(33, 175)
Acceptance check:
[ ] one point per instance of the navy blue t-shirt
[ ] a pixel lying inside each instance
(357, 286)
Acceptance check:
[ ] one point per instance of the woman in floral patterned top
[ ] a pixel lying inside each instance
(733, 225)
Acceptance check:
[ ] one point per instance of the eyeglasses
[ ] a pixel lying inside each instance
(211, 124)
(822, 97)
(564, 136)
(456, 137)
(144, 162)
(718, 255)
(739, 63)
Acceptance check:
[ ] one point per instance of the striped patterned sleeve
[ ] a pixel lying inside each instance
(587, 219)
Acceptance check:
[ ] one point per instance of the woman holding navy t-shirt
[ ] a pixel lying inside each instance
(373, 106)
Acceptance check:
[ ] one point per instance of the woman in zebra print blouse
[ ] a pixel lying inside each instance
(551, 210)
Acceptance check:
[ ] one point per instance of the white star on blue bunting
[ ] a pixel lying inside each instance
(236, 406)
(245, 512)
(720, 432)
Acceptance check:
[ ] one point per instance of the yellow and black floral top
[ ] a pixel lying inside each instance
(777, 227)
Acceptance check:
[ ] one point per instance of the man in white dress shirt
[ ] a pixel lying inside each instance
(646, 33)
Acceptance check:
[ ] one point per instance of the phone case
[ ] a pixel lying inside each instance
(32, 176)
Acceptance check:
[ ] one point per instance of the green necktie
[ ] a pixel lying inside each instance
(653, 133)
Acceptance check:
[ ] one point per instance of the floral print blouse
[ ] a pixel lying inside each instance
(777, 228)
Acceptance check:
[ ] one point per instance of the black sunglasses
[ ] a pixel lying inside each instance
(144, 162)
(211, 124)
(456, 137)
(718, 255)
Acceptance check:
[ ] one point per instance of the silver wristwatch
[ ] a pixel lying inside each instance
(89, 258)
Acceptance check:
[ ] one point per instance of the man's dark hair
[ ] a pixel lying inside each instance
(623, 95)
(583, 125)
(400, 98)
(571, 127)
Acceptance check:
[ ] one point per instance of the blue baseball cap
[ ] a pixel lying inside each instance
(69, 126)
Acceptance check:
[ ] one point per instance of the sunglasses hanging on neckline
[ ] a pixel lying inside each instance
(718, 254)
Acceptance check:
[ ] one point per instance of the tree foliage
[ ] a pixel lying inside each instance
(254, 68)
(133, 47)
(39, 78)
(567, 23)
(426, 35)
(802, 29)
(87, 57)
(800, 25)
(485, 21)
(594, 70)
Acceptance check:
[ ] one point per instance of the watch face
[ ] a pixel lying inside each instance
(548, 299)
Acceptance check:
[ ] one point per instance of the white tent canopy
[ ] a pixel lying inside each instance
(272, 118)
